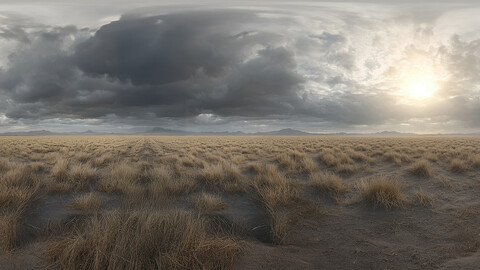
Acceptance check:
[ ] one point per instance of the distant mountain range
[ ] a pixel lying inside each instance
(49, 133)
(281, 132)
(294, 132)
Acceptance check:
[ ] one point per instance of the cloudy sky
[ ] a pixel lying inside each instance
(358, 66)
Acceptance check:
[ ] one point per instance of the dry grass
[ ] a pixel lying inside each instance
(475, 161)
(103, 160)
(81, 175)
(120, 177)
(423, 198)
(167, 192)
(163, 184)
(222, 177)
(144, 240)
(212, 176)
(209, 203)
(60, 170)
(397, 158)
(62, 188)
(445, 182)
(91, 202)
(19, 186)
(309, 166)
(4, 164)
(346, 168)
(287, 162)
(9, 226)
(421, 168)
(381, 192)
(277, 194)
(274, 188)
(458, 165)
(327, 182)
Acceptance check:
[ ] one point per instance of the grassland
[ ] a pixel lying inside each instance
(147, 202)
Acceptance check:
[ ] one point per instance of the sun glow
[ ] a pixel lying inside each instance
(418, 78)
(420, 85)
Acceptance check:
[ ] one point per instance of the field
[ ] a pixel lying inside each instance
(145, 202)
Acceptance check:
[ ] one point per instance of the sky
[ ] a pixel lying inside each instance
(317, 66)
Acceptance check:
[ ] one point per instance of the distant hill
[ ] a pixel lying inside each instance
(393, 133)
(160, 130)
(28, 133)
(49, 133)
(281, 132)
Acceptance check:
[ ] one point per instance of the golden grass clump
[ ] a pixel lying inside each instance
(120, 176)
(421, 168)
(346, 168)
(18, 187)
(9, 226)
(381, 192)
(308, 165)
(475, 161)
(102, 160)
(209, 203)
(222, 177)
(360, 157)
(445, 182)
(13, 197)
(144, 240)
(287, 162)
(191, 161)
(277, 193)
(19, 174)
(274, 188)
(212, 175)
(327, 182)
(233, 181)
(163, 184)
(60, 170)
(91, 202)
(4, 164)
(328, 159)
(81, 175)
(457, 165)
(55, 187)
(423, 198)
(82, 157)
(396, 157)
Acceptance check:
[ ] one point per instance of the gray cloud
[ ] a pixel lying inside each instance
(171, 65)
(218, 67)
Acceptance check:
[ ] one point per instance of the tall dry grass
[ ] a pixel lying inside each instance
(145, 240)
(381, 191)
(208, 203)
(327, 182)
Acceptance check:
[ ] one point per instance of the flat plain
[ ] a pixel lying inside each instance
(204, 202)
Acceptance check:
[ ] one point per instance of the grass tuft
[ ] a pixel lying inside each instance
(91, 202)
(144, 240)
(381, 192)
(421, 168)
(327, 182)
(457, 165)
(208, 203)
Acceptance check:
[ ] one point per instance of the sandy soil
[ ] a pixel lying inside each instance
(342, 233)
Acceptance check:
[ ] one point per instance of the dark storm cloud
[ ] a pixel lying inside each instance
(217, 67)
(175, 65)
(164, 49)
(41, 71)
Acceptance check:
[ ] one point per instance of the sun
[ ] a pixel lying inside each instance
(418, 78)
(421, 86)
